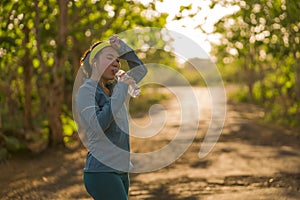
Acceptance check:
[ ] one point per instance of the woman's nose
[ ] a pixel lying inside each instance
(116, 63)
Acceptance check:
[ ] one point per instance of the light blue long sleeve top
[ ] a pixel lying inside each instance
(104, 119)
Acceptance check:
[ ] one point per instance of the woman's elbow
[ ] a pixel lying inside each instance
(145, 70)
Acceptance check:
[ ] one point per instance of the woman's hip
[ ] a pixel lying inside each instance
(107, 185)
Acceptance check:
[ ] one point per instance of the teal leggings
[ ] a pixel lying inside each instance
(107, 185)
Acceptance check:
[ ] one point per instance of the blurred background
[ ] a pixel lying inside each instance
(255, 45)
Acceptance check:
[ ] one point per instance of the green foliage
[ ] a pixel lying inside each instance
(139, 107)
(3, 154)
(193, 77)
(8, 144)
(240, 94)
(11, 143)
(201, 72)
(31, 48)
(260, 48)
(69, 128)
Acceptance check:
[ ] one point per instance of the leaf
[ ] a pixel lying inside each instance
(3, 154)
(182, 8)
(12, 143)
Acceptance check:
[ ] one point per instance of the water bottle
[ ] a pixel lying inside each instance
(133, 89)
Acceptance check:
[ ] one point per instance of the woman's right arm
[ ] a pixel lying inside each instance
(92, 115)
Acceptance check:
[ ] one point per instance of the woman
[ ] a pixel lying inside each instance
(101, 108)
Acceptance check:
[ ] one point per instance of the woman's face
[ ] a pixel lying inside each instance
(107, 62)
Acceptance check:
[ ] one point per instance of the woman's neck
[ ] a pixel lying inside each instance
(102, 82)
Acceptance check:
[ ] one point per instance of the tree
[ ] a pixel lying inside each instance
(261, 41)
(41, 45)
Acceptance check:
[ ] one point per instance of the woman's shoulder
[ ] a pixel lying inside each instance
(88, 84)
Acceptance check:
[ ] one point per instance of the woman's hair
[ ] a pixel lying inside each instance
(84, 61)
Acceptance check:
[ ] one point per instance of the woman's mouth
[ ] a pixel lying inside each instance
(115, 70)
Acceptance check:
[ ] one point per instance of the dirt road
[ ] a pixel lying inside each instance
(251, 160)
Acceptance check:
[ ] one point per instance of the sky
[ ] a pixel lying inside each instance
(188, 26)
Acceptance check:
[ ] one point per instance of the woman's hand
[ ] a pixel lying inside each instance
(125, 78)
(115, 42)
(119, 45)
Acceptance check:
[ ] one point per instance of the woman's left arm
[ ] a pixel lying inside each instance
(137, 68)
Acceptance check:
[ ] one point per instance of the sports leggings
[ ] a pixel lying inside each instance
(107, 185)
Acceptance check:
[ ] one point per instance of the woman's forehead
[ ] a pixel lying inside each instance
(111, 51)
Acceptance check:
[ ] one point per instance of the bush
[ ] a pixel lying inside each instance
(150, 96)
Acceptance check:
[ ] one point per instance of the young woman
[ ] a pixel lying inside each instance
(101, 108)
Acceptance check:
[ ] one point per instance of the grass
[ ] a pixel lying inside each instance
(139, 106)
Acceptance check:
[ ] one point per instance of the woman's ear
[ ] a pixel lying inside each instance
(94, 61)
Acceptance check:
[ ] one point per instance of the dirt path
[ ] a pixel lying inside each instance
(250, 161)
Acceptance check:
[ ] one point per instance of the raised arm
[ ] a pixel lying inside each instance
(137, 68)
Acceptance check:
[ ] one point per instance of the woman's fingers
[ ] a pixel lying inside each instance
(126, 79)
(115, 42)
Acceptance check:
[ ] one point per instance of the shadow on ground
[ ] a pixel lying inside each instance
(250, 160)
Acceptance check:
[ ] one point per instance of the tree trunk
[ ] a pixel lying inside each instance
(297, 79)
(58, 73)
(249, 79)
(27, 83)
